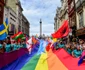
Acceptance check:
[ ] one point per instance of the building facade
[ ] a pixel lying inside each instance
(12, 4)
(12, 19)
(64, 11)
(72, 16)
(80, 18)
(57, 19)
(2, 3)
(74, 12)
(15, 16)
(61, 14)
(25, 25)
(19, 15)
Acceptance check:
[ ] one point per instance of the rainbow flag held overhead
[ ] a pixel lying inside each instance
(41, 59)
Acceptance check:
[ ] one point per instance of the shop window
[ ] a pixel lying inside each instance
(81, 19)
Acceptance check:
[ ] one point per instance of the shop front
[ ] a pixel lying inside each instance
(81, 33)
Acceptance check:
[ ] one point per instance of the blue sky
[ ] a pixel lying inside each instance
(34, 10)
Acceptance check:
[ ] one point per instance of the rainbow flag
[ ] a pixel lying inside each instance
(46, 60)
(53, 61)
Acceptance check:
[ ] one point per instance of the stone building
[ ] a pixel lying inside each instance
(12, 19)
(72, 16)
(57, 19)
(14, 6)
(64, 11)
(80, 18)
(2, 3)
(19, 15)
(74, 12)
(25, 25)
(61, 14)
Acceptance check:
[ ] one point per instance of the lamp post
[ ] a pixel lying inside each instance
(40, 28)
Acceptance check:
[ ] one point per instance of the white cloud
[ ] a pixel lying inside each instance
(44, 9)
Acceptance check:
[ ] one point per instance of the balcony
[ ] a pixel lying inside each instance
(79, 3)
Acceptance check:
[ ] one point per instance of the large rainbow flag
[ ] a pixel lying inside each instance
(45, 60)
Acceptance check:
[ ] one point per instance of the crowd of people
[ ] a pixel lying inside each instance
(8, 46)
(74, 48)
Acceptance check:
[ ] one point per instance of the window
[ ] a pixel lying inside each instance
(12, 27)
(73, 21)
(19, 28)
(12, 15)
(12, 19)
(23, 29)
(81, 19)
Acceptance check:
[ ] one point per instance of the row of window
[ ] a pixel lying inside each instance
(81, 22)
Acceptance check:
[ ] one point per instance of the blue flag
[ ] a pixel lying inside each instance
(4, 30)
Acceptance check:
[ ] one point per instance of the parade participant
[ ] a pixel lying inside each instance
(55, 45)
(81, 42)
(68, 48)
(8, 47)
(82, 57)
(77, 52)
(1, 47)
(15, 46)
(21, 42)
(12, 44)
(18, 45)
(61, 45)
(24, 44)
(83, 46)
(74, 45)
